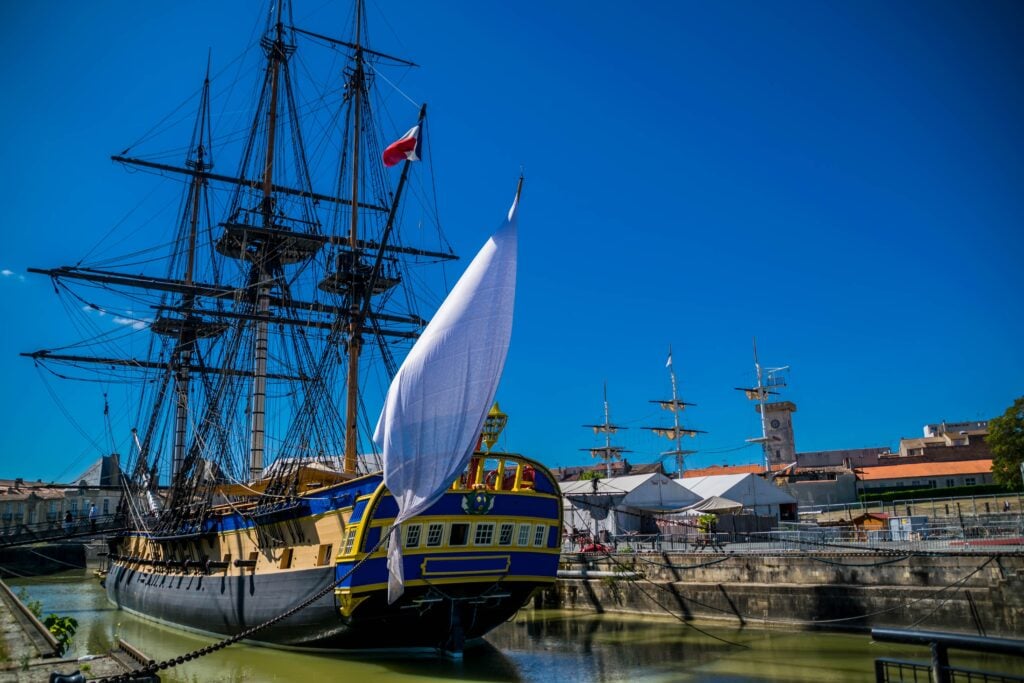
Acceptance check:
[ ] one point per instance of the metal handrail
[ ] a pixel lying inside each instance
(940, 643)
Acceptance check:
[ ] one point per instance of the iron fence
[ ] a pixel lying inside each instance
(1007, 536)
(939, 669)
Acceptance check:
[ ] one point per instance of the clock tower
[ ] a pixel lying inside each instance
(779, 444)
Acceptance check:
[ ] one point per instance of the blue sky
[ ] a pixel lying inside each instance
(841, 180)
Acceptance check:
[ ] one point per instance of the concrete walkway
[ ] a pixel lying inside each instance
(29, 652)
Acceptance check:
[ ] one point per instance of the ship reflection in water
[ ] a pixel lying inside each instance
(535, 646)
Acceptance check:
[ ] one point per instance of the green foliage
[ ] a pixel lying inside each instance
(62, 628)
(1006, 441)
(34, 606)
(706, 523)
(591, 474)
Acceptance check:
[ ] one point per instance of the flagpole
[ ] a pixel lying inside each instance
(365, 307)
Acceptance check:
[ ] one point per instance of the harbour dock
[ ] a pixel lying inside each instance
(30, 653)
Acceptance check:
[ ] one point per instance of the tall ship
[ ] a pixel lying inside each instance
(259, 338)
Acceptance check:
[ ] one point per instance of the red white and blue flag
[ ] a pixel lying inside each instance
(406, 147)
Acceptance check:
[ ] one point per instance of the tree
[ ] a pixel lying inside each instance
(1006, 441)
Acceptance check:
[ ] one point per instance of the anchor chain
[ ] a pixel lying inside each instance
(152, 668)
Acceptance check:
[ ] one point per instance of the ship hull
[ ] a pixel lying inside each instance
(224, 606)
(470, 562)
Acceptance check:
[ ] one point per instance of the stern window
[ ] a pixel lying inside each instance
(505, 535)
(484, 534)
(524, 535)
(459, 535)
(350, 541)
(538, 534)
(434, 532)
(412, 536)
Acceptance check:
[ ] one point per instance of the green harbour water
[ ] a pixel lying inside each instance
(536, 645)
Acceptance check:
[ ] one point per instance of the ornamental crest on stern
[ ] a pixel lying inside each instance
(478, 502)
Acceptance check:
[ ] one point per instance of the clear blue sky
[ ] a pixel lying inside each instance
(843, 180)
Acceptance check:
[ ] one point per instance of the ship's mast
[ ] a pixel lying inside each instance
(608, 452)
(762, 400)
(187, 339)
(262, 268)
(677, 431)
(355, 337)
(262, 230)
(768, 379)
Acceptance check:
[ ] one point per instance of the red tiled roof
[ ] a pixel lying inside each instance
(729, 469)
(925, 469)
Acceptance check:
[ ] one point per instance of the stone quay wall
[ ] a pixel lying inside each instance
(970, 593)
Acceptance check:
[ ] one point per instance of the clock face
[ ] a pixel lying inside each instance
(775, 424)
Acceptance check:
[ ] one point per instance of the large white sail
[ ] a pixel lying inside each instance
(437, 402)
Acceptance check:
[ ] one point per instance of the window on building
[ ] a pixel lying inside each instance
(434, 533)
(106, 506)
(950, 483)
(970, 481)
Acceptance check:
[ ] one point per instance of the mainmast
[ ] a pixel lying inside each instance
(677, 431)
(276, 55)
(608, 452)
(355, 337)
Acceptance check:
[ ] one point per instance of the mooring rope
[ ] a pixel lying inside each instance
(675, 594)
(681, 619)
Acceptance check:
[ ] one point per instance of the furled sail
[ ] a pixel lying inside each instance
(437, 402)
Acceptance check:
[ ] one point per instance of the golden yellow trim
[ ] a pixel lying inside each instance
(424, 571)
(348, 602)
(519, 578)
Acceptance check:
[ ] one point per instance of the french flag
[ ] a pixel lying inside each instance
(406, 147)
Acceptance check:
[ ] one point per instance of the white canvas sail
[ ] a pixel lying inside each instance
(437, 402)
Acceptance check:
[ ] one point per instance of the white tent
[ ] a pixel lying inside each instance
(756, 494)
(716, 505)
(620, 505)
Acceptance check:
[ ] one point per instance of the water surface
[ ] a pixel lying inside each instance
(535, 646)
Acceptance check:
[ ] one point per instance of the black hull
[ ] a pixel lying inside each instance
(228, 605)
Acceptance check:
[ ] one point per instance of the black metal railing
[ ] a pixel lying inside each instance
(939, 670)
(22, 534)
